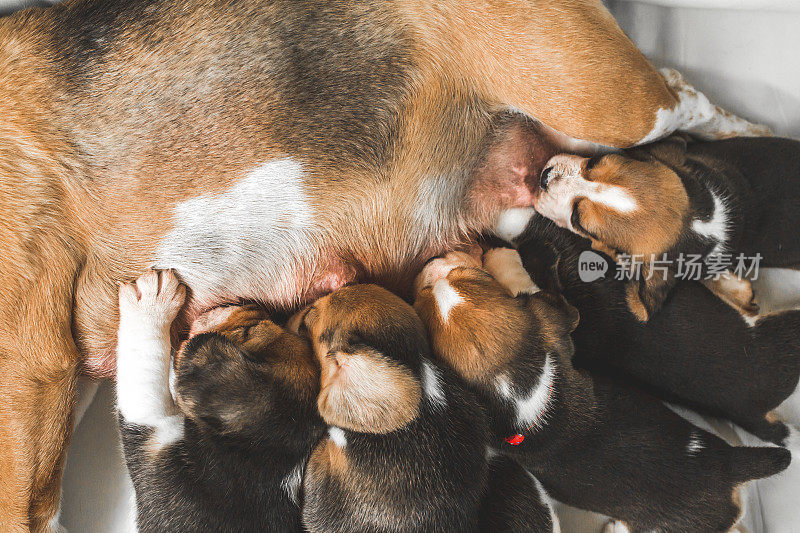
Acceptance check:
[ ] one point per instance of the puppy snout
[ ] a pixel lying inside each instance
(545, 179)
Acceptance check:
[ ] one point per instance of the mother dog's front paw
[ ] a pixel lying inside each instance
(155, 299)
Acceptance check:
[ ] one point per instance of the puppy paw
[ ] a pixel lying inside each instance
(440, 267)
(736, 292)
(615, 526)
(505, 266)
(153, 300)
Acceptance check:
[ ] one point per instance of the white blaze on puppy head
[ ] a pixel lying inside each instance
(434, 275)
(562, 183)
(637, 206)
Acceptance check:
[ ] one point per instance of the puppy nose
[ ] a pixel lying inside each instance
(545, 178)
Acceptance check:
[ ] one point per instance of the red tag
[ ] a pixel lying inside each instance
(515, 440)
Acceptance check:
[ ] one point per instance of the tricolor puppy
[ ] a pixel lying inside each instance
(714, 200)
(272, 151)
(697, 351)
(406, 448)
(592, 442)
(228, 453)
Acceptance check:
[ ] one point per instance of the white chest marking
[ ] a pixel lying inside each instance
(432, 385)
(291, 483)
(337, 436)
(695, 444)
(243, 241)
(503, 386)
(532, 407)
(715, 228)
(446, 298)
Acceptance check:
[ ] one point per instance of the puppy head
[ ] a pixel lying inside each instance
(241, 374)
(475, 324)
(637, 206)
(370, 345)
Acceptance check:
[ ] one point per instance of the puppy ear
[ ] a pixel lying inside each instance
(559, 311)
(367, 392)
(542, 262)
(646, 296)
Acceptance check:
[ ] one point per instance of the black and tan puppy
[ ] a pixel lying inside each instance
(228, 454)
(407, 444)
(592, 442)
(715, 200)
(697, 351)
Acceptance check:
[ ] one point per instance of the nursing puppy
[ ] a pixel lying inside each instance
(736, 196)
(592, 442)
(407, 445)
(697, 351)
(228, 453)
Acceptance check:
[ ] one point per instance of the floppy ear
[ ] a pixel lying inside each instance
(646, 296)
(367, 392)
(558, 311)
(542, 262)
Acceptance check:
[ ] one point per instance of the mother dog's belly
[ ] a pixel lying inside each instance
(253, 241)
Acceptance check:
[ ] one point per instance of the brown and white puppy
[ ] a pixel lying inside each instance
(407, 444)
(592, 442)
(228, 450)
(270, 151)
(707, 199)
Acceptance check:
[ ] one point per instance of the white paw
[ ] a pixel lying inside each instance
(153, 300)
(615, 526)
(505, 265)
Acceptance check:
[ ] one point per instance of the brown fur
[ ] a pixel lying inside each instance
(250, 328)
(662, 207)
(92, 170)
(362, 389)
(449, 340)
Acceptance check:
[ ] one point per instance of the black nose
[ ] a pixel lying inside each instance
(545, 178)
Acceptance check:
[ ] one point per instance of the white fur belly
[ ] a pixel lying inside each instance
(252, 241)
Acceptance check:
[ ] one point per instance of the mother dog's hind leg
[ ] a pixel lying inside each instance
(568, 64)
(38, 376)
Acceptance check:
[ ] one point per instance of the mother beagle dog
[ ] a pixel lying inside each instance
(272, 150)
